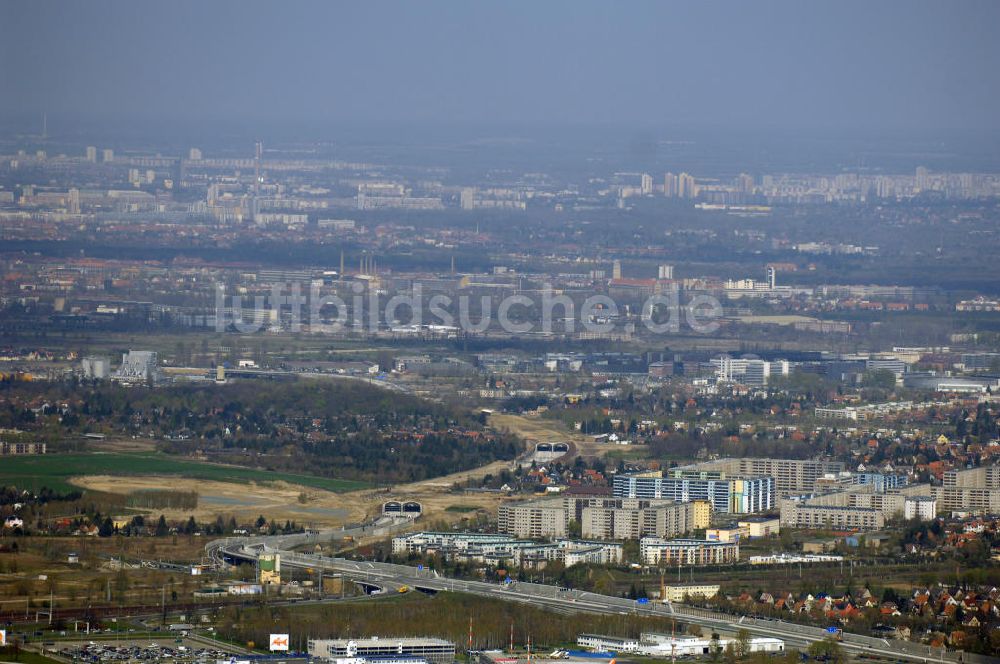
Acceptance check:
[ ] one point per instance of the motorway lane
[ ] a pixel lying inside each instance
(392, 577)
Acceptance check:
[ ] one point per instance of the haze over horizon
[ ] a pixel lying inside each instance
(844, 68)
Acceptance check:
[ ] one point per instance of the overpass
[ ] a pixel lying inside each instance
(567, 601)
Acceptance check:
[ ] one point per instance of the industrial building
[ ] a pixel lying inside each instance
(138, 366)
(666, 645)
(436, 651)
(95, 368)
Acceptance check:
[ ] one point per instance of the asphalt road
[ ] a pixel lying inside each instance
(392, 577)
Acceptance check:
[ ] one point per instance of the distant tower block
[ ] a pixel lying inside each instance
(665, 272)
(468, 198)
(73, 201)
(616, 270)
(772, 280)
(646, 184)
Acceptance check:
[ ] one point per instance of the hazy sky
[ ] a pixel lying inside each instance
(808, 65)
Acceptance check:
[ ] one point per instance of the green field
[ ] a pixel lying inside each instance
(53, 470)
(25, 657)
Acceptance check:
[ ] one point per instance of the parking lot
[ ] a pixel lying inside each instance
(140, 651)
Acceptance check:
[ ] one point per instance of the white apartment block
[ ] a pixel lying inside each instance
(537, 519)
(678, 552)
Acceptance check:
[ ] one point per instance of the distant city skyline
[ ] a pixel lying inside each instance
(824, 67)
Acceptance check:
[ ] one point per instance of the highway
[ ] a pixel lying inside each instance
(391, 577)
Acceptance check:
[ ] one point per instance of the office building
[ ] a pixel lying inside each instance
(981, 361)
(896, 366)
(665, 272)
(750, 372)
(91, 154)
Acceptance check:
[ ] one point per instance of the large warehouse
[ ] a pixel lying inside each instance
(436, 651)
